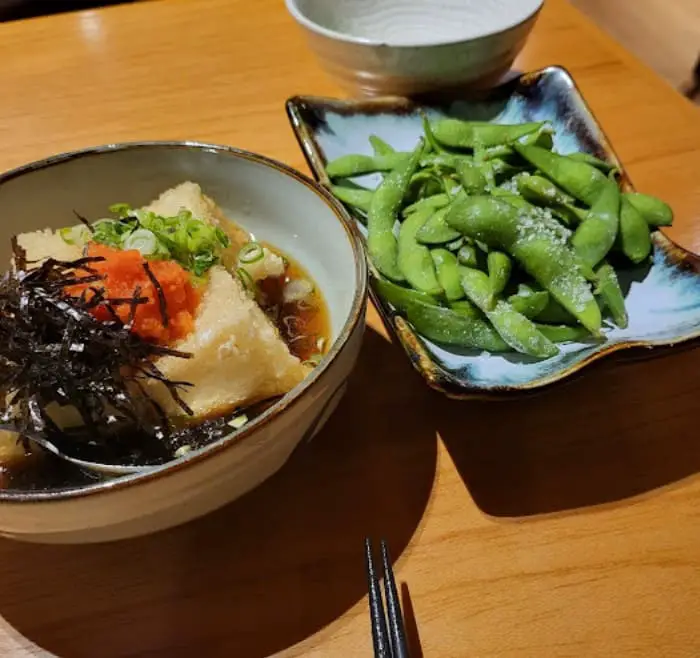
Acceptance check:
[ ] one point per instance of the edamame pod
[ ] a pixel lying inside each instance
(611, 295)
(581, 156)
(528, 302)
(447, 269)
(514, 328)
(442, 160)
(562, 333)
(435, 230)
(383, 214)
(434, 202)
(356, 197)
(466, 308)
(347, 166)
(579, 179)
(543, 136)
(596, 235)
(543, 254)
(471, 175)
(467, 256)
(542, 191)
(441, 324)
(414, 259)
(468, 134)
(499, 267)
(555, 313)
(380, 147)
(653, 210)
(634, 233)
(399, 297)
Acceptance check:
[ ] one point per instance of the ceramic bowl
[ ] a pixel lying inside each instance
(409, 47)
(662, 296)
(275, 203)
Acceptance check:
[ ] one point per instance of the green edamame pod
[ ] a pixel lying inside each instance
(380, 147)
(654, 211)
(581, 156)
(447, 269)
(499, 267)
(514, 328)
(383, 214)
(400, 297)
(543, 137)
(555, 313)
(634, 233)
(562, 333)
(596, 235)
(435, 230)
(502, 169)
(442, 160)
(528, 302)
(414, 259)
(467, 256)
(611, 294)
(579, 179)
(434, 202)
(533, 213)
(472, 177)
(347, 166)
(543, 254)
(543, 192)
(441, 324)
(466, 308)
(356, 197)
(455, 245)
(468, 134)
(430, 139)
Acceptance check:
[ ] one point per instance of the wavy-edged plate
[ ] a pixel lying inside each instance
(662, 297)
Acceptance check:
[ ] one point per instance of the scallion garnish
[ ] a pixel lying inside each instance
(191, 242)
(238, 421)
(142, 240)
(251, 253)
(247, 280)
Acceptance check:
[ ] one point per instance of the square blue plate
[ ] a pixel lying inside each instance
(662, 297)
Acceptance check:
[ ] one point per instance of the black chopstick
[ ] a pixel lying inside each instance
(397, 632)
(391, 644)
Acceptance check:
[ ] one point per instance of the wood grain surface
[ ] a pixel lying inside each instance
(562, 525)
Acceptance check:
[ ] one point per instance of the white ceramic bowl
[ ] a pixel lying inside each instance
(278, 205)
(410, 47)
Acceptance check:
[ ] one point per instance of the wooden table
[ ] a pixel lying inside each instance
(563, 525)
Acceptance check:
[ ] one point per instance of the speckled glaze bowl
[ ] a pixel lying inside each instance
(409, 47)
(662, 297)
(277, 205)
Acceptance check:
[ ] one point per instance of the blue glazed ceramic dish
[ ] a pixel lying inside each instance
(662, 297)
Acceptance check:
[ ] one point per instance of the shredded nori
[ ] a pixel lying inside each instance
(159, 291)
(54, 350)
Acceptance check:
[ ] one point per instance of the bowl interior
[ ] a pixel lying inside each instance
(273, 204)
(412, 22)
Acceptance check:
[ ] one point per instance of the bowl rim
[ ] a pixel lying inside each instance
(357, 309)
(313, 26)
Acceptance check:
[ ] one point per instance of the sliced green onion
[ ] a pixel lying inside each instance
(246, 280)
(238, 421)
(183, 450)
(142, 240)
(313, 360)
(251, 252)
(73, 234)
